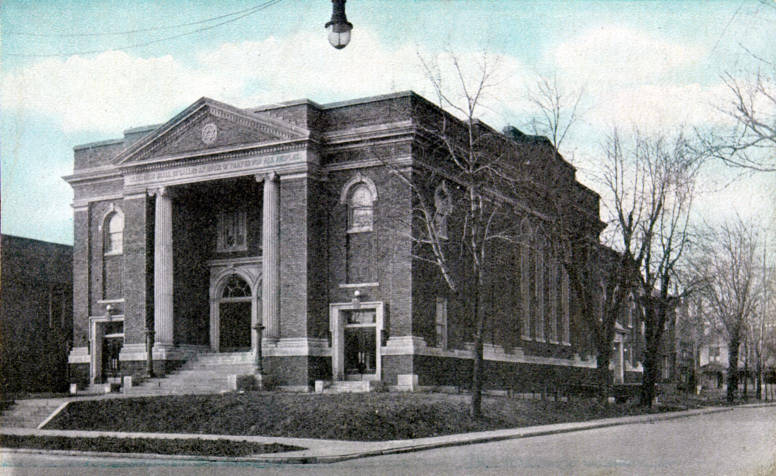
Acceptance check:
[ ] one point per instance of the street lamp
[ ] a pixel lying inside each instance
(258, 355)
(339, 27)
(149, 335)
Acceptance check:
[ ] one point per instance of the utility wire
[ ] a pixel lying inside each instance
(126, 32)
(247, 13)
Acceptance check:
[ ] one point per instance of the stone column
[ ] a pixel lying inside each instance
(163, 270)
(270, 255)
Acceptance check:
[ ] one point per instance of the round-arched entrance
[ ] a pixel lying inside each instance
(233, 311)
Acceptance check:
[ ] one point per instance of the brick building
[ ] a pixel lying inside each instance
(291, 215)
(35, 314)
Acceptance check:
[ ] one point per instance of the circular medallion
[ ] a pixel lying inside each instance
(209, 133)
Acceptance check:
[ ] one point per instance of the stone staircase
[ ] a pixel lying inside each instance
(30, 413)
(205, 373)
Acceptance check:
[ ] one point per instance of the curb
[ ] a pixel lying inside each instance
(485, 439)
(334, 458)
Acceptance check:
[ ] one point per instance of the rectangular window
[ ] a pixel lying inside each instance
(553, 297)
(566, 308)
(525, 292)
(539, 296)
(232, 231)
(441, 322)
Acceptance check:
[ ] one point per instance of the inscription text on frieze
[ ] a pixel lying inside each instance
(191, 171)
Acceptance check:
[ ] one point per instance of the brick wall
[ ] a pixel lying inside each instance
(36, 321)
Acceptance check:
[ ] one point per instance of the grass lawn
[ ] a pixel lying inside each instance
(143, 445)
(361, 417)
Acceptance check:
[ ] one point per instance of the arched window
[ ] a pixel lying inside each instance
(113, 259)
(359, 194)
(443, 207)
(360, 211)
(236, 287)
(114, 234)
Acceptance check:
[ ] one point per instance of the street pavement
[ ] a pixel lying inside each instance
(742, 441)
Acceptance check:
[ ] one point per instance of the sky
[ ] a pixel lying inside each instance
(73, 72)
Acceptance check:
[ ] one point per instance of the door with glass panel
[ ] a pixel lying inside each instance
(360, 353)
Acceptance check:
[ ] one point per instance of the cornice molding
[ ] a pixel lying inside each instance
(194, 116)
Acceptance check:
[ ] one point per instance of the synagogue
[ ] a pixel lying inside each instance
(285, 229)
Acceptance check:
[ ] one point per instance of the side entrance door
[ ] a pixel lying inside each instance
(360, 345)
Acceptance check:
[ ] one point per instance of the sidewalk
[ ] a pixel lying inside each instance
(331, 451)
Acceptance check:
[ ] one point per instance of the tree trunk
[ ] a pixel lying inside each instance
(732, 380)
(476, 407)
(746, 372)
(649, 379)
(758, 376)
(604, 376)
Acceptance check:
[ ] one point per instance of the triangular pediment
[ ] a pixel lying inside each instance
(209, 124)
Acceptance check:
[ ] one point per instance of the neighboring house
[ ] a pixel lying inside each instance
(36, 320)
(292, 216)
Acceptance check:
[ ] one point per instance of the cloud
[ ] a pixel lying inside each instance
(619, 55)
(107, 92)
(659, 107)
(116, 90)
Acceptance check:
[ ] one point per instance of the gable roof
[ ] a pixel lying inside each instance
(170, 130)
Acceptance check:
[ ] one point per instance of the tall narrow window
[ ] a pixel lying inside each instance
(114, 234)
(553, 293)
(526, 278)
(359, 196)
(441, 322)
(443, 207)
(360, 213)
(112, 260)
(539, 302)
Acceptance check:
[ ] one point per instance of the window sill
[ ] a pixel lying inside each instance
(358, 285)
(359, 230)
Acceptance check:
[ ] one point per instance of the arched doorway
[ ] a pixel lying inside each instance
(235, 306)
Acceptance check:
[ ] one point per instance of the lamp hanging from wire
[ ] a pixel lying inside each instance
(338, 27)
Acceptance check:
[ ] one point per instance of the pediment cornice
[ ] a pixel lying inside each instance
(216, 155)
(167, 134)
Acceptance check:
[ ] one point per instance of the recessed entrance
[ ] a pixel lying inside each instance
(356, 331)
(235, 326)
(234, 310)
(360, 344)
(107, 339)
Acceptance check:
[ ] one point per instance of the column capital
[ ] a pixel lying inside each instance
(267, 177)
(160, 192)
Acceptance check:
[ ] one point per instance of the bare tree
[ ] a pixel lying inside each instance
(475, 188)
(459, 206)
(556, 109)
(728, 264)
(651, 184)
(598, 275)
(758, 326)
(751, 142)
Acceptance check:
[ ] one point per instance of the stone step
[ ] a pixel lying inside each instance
(203, 373)
(221, 361)
(217, 370)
